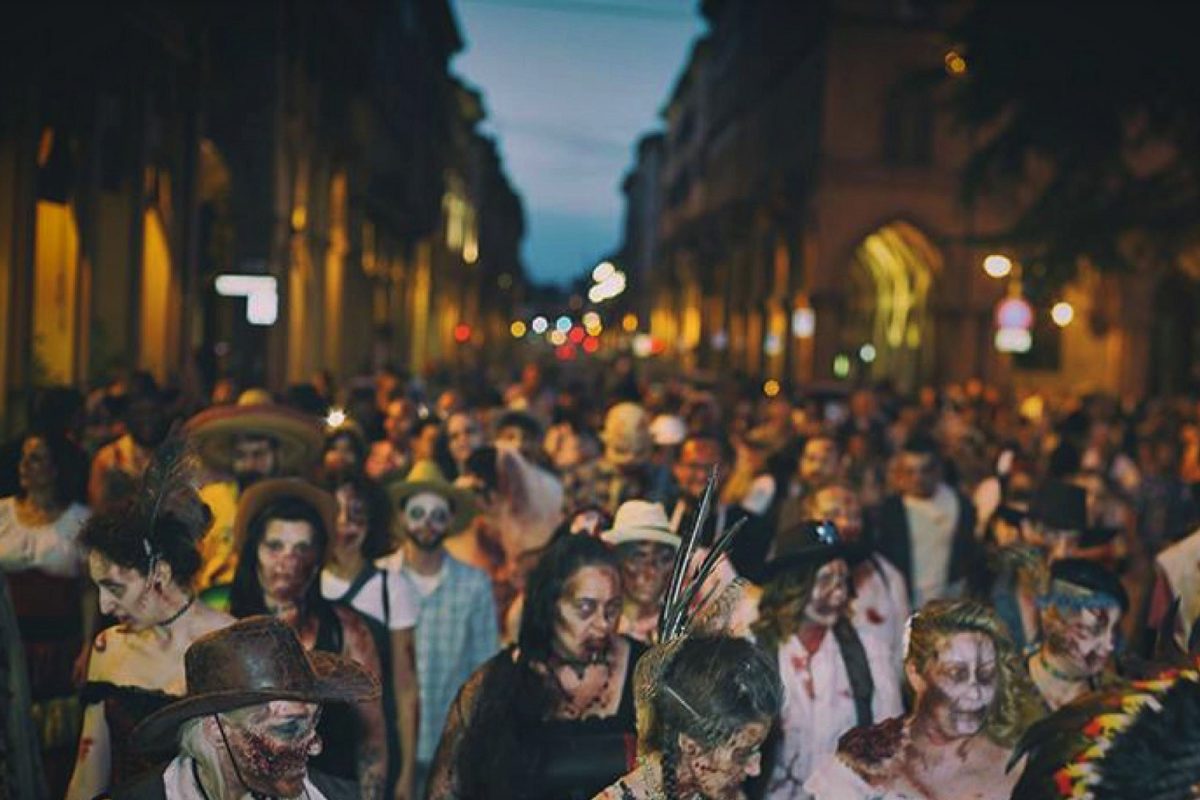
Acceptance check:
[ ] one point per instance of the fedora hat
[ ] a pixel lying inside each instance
(214, 430)
(252, 661)
(426, 477)
(817, 542)
(641, 521)
(263, 493)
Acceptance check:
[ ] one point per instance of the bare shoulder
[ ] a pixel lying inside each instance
(209, 620)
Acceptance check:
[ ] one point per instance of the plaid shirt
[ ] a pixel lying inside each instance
(456, 632)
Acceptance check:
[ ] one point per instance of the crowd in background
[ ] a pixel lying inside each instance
(416, 526)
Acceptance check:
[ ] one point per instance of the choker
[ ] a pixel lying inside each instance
(166, 623)
(1057, 673)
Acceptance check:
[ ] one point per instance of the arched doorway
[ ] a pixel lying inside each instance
(889, 330)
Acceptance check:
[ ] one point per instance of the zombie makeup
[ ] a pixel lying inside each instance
(287, 561)
(270, 745)
(1081, 640)
(587, 614)
(351, 526)
(124, 592)
(426, 518)
(719, 772)
(645, 569)
(830, 593)
(956, 689)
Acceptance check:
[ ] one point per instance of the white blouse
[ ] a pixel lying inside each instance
(51, 548)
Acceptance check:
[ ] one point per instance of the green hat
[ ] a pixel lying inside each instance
(426, 477)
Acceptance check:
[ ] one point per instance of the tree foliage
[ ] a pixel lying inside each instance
(1089, 113)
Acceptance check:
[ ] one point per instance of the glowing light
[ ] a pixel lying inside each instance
(591, 344)
(804, 323)
(517, 329)
(867, 353)
(629, 323)
(563, 323)
(771, 388)
(1013, 340)
(603, 271)
(591, 321)
(841, 365)
(997, 266)
(642, 346)
(576, 335)
(539, 325)
(462, 333)
(262, 308)
(470, 251)
(956, 65)
(557, 338)
(720, 340)
(241, 285)
(772, 346)
(336, 417)
(1014, 312)
(613, 284)
(565, 352)
(1062, 313)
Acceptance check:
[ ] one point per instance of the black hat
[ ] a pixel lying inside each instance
(1091, 576)
(1060, 505)
(818, 543)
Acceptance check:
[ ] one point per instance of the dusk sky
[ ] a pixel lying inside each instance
(569, 86)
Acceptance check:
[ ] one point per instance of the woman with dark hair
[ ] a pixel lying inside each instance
(345, 453)
(355, 574)
(282, 532)
(553, 716)
(142, 556)
(703, 719)
(39, 527)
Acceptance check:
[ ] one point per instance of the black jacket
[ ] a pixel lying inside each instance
(893, 540)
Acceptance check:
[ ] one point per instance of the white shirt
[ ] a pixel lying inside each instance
(833, 780)
(423, 585)
(812, 725)
(931, 523)
(179, 782)
(50, 548)
(403, 605)
(880, 606)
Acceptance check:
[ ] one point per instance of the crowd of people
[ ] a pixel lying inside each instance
(434, 588)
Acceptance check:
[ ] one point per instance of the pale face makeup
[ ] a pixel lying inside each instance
(956, 689)
(830, 593)
(124, 592)
(426, 519)
(719, 772)
(1083, 639)
(351, 519)
(588, 610)
(645, 570)
(287, 561)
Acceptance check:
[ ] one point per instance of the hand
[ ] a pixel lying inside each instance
(79, 669)
(404, 786)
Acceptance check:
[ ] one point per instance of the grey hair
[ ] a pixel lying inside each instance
(208, 755)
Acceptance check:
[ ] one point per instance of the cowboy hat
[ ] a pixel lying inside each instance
(253, 661)
(263, 493)
(641, 521)
(818, 543)
(214, 430)
(426, 477)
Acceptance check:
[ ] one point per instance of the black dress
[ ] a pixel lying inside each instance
(124, 708)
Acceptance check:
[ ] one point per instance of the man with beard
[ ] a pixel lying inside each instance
(456, 625)
(243, 444)
(118, 465)
(697, 457)
(248, 723)
(1079, 617)
(646, 547)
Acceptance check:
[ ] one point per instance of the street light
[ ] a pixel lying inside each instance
(997, 266)
(1062, 313)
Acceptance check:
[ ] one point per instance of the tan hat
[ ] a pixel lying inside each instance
(426, 477)
(641, 521)
(263, 493)
(214, 430)
(626, 433)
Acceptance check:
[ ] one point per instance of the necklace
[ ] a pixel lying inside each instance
(166, 623)
(1057, 674)
(571, 710)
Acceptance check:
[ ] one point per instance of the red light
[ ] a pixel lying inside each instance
(657, 346)
(576, 335)
(462, 333)
(591, 344)
(565, 352)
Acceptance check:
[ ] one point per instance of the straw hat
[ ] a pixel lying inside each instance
(263, 493)
(214, 430)
(641, 521)
(253, 661)
(426, 477)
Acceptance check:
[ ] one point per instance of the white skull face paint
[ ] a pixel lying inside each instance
(1082, 638)
(427, 519)
(960, 685)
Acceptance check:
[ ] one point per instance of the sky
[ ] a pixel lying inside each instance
(569, 87)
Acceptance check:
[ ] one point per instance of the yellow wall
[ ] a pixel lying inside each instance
(155, 337)
(55, 292)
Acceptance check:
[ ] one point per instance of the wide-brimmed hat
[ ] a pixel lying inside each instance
(263, 493)
(1060, 505)
(252, 661)
(641, 521)
(668, 430)
(817, 542)
(426, 477)
(214, 430)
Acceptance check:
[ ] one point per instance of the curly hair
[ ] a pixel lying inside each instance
(1015, 706)
(126, 538)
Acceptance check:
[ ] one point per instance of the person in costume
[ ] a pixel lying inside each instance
(835, 675)
(243, 444)
(282, 530)
(646, 548)
(552, 717)
(248, 724)
(971, 702)
(142, 556)
(1080, 615)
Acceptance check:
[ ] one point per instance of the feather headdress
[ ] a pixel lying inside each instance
(166, 491)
